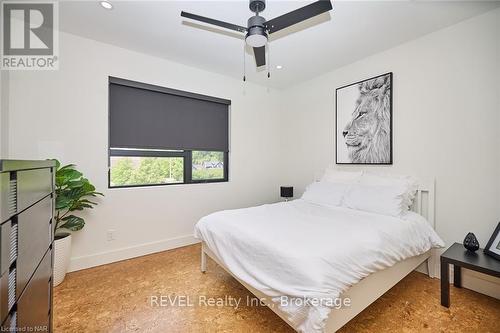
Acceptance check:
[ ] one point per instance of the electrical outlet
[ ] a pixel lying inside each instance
(110, 235)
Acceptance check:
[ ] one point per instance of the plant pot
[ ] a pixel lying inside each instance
(62, 253)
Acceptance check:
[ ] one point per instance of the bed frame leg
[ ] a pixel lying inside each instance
(203, 261)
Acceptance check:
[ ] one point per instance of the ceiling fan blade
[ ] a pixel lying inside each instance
(214, 22)
(298, 15)
(260, 55)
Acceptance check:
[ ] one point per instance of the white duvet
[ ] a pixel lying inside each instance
(303, 250)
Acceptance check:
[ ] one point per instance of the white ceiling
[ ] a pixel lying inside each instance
(352, 31)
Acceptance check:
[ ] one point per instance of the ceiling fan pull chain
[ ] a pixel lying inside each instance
(244, 65)
(268, 61)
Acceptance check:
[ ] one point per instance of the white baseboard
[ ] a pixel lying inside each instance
(83, 262)
(479, 282)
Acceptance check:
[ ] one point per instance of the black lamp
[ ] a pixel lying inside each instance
(286, 192)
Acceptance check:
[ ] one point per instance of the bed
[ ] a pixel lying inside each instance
(283, 253)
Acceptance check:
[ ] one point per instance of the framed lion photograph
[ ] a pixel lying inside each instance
(363, 121)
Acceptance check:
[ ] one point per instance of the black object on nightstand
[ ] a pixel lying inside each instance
(459, 257)
(286, 192)
(471, 243)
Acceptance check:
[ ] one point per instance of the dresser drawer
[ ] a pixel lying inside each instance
(32, 185)
(33, 307)
(34, 238)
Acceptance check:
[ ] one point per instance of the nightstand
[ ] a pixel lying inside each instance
(459, 257)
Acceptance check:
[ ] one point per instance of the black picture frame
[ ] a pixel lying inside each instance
(488, 246)
(390, 162)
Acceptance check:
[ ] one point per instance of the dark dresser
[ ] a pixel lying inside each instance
(26, 238)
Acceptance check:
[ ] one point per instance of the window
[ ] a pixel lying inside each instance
(161, 136)
(135, 170)
(207, 165)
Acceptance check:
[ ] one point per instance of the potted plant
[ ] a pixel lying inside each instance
(73, 192)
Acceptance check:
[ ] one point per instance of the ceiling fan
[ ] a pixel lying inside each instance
(258, 28)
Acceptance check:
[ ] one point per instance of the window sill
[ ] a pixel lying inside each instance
(218, 181)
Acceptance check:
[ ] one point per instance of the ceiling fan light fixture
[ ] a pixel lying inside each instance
(256, 36)
(256, 40)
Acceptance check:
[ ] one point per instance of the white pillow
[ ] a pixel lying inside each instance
(408, 182)
(386, 200)
(345, 177)
(325, 193)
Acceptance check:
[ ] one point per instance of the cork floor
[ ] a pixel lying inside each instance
(120, 297)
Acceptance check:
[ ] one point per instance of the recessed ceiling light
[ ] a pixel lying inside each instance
(106, 5)
(279, 67)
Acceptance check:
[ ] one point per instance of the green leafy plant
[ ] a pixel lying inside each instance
(73, 193)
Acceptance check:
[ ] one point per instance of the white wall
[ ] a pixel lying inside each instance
(446, 122)
(63, 114)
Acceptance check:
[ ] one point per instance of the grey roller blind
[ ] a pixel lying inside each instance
(151, 117)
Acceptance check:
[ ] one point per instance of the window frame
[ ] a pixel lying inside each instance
(187, 170)
(147, 152)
